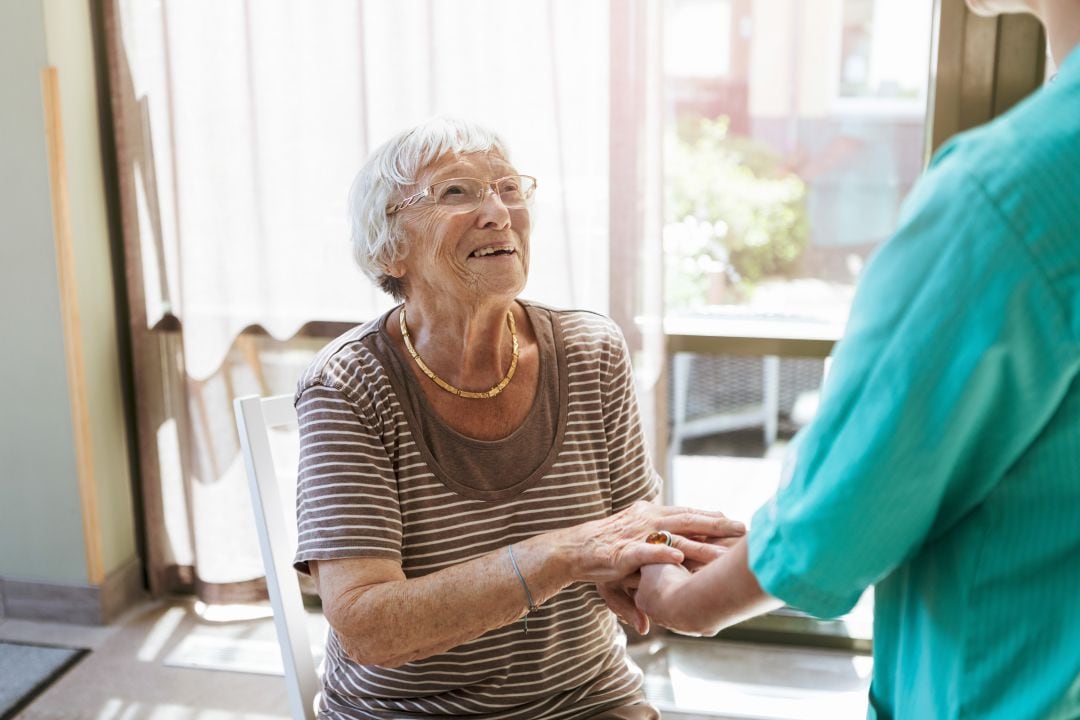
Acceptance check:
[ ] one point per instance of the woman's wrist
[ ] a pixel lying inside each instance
(550, 561)
(573, 551)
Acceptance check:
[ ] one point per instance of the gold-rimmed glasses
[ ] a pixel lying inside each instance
(460, 195)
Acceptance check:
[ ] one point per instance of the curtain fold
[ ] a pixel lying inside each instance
(239, 128)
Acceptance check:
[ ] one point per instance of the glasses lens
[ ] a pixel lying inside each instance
(516, 190)
(458, 192)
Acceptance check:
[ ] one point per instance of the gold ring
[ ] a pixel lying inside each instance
(660, 537)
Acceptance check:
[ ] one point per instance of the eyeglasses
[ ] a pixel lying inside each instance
(462, 195)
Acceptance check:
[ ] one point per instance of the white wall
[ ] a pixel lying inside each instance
(41, 523)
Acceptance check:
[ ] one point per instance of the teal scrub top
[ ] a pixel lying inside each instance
(944, 464)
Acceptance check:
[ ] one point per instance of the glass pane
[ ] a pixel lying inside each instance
(794, 128)
(793, 131)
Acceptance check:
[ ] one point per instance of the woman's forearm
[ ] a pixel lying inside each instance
(382, 618)
(390, 623)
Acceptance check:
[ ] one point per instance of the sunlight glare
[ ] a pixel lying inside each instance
(238, 612)
(159, 635)
(111, 709)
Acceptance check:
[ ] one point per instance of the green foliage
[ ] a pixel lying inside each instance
(733, 209)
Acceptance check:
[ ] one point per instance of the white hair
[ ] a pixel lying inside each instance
(395, 165)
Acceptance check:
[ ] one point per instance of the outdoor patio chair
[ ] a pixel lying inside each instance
(759, 408)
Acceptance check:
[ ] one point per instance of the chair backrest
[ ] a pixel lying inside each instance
(254, 418)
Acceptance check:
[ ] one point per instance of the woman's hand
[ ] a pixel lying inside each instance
(619, 596)
(714, 547)
(697, 553)
(609, 549)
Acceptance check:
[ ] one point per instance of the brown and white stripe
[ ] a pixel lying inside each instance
(368, 488)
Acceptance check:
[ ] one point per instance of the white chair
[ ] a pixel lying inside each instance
(254, 417)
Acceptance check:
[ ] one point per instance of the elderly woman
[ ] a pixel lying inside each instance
(473, 477)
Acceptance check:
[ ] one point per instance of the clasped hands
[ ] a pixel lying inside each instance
(627, 564)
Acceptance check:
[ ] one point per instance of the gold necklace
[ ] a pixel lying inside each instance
(495, 390)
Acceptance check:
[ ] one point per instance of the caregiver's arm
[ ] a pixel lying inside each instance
(722, 593)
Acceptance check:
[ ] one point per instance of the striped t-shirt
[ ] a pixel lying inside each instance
(369, 486)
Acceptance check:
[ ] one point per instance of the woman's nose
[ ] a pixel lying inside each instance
(493, 212)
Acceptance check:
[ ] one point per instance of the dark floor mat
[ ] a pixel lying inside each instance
(26, 670)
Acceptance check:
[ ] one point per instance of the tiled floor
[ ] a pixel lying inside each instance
(156, 664)
(125, 676)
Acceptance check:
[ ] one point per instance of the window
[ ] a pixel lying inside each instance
(793, 129)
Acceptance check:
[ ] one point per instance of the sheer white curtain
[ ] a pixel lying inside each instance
(261, 112)
(239, 128)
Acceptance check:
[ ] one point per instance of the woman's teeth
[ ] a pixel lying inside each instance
(482, 252)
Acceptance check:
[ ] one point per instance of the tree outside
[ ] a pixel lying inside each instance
(736, 216)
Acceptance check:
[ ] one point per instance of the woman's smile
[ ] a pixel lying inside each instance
(493, 251)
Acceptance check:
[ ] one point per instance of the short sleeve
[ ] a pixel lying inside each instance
(952, 362)
(346, 497)
(633, 477)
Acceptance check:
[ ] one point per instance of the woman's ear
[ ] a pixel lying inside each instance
(395, 269)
